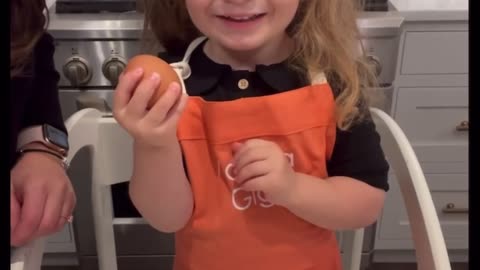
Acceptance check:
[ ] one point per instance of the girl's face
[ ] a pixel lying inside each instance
(242, 25)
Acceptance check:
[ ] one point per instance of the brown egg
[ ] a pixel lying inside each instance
(151, 64)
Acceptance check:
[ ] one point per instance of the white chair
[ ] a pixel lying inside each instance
(112, 163)
(430, 249)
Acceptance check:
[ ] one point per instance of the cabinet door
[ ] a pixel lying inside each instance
(62, 241)
(393, 231)
(435, 121)
(442, 52)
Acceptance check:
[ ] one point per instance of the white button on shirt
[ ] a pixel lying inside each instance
(243, 84)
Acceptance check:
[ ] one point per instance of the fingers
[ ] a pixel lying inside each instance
(240, 148)
(137, 107)
(247, 155)
(51, 214)
(251, 171)
(67, 210)
(31, 215)
(174, 115)
(166, 103)
(14, 210)
(255, 184)
(126, 85)
(236, 146)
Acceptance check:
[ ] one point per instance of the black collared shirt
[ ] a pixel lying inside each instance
(357, 152)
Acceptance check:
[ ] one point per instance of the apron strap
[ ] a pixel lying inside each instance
(319, 78)
(182, 68)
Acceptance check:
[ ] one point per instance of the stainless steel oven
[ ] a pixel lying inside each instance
(91, 50)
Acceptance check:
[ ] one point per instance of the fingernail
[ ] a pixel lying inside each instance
(175, 87)
(138, 71)
(155, 77)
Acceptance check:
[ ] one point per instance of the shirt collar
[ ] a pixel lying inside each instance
(206, 74)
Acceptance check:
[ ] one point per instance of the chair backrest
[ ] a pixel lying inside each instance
(113, 161)
(430, 248)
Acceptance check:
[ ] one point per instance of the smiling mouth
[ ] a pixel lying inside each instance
(242, 18)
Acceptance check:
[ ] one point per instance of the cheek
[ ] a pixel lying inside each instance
(285, 12)
(198, 11)
(290, 10)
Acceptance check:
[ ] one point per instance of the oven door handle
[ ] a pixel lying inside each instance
(92, 101)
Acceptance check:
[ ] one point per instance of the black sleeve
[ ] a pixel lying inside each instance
(357, 154)
(43, 105)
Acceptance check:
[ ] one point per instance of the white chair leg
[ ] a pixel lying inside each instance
(28, 257)
(103, 223)
(352, 251)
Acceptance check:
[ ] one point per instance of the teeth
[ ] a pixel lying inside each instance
(244, 18)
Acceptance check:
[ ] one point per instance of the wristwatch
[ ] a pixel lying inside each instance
(51, 137)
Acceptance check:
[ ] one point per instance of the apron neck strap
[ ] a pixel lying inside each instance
(182, 68)
(319, 78)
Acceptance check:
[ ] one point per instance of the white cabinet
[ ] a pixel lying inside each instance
(393, 230)
(431, 106)
(439, 52)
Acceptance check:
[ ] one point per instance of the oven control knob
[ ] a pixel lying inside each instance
(77, 71)
(112, 68)
(375, 62)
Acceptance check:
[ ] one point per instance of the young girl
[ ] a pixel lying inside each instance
(272, 147)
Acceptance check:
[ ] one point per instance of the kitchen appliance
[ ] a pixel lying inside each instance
(375, 5)
(94, 6)
(91, 51)
(98, 6)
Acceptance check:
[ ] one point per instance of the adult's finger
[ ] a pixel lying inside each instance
(66, 214)
(31, 214)
(51, 214)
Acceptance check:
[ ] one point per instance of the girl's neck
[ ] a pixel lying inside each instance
(273, 52)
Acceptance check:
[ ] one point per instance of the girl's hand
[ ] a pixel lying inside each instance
(155, 127)
(260, 165)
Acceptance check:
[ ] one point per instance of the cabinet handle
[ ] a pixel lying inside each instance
(463, 126)
(451, 209)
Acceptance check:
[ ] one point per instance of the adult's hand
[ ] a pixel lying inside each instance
(42, 198)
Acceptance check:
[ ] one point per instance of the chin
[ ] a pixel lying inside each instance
(241, 43)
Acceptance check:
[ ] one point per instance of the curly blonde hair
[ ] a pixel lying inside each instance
(326, 40)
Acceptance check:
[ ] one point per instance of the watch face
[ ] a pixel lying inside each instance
(56, 136)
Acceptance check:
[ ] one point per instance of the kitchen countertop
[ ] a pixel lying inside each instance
(432, 10)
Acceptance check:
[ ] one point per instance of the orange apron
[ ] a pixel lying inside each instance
(231, 229)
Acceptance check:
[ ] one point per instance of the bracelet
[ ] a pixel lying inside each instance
(57, 155)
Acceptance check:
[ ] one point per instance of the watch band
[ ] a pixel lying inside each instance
(36, 134)
(29, 135)
(61, 158)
